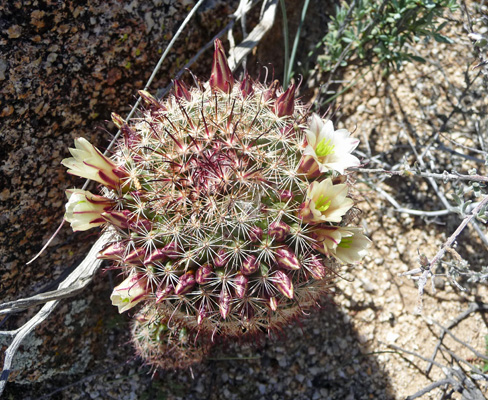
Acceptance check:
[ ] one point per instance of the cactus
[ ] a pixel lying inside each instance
(229, 214)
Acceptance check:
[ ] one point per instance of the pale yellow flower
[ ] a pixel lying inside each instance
(130, 292)
(325, 202)
(84, 209)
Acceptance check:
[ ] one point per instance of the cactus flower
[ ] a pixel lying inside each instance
(325, 202)
(130, 292)
(88, 162)
(330, 149)
(84, 210)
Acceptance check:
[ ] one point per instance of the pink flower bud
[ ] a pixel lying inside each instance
(171, 250)
(202, 313)
(246, 86)
(241, 282)
(220, 260)
(316, 268)
(136, 256)
(250, 265)
(203, 274)
(162, 294)
(286, 195)
(278, 230)
(117, 218)
(255, 234)
(186, 283)
(181, 92)
(156, 255)
(221, 78)
(283, 284)
(224, 304)
(270, 94)
(286, 259)
(114, 251)
(285, 104)
(150, 101)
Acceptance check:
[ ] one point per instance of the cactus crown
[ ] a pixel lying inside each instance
(229, 215)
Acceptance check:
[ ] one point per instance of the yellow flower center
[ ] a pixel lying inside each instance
(345, 243)
(324, 148)
(322, 203)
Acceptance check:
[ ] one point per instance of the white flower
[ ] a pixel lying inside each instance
(88, 162)
(130, 292)
(331, 149)
(325, 202)
(346, 244)
(84, 209)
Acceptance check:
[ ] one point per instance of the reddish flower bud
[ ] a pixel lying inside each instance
(203, 274)
(162, 294)
(156, 255)
(118, 120)
(286, 195)
(316, 268)
(221, 77)
(246, 86)
(241, 282)
(186, 283)
(270, 94)
(285, 104)
(202, 313)
(181, 92)
(114, 251)
(150, 101)
(220, 260)
(171, 250)
(136, 256)
(286, 259)
(255, 234)
(278, 230)
(120, 219)
(283, 284)
(224, 304)
(250, 265)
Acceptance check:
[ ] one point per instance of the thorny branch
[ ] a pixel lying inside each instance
(84, 272)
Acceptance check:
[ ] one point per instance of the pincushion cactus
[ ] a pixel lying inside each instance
(228, 210)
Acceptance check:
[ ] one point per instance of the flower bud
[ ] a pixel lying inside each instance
(181, 92)
(255, 234)
(203, 274)
(246, 86)
(162, 294)
(114, 251)
(221, 78)
(316, 268)
(224, 304)
(221, 258)
(285, 104)
(283, 284)
(286, 195)
(156, 255)
(270, 94)
(202, 313)
(117, 218)
(278, 230)
(150, 101)
(250, 265)
(308, 167)
(286, 259)
(131, 291)
(136, 256)
(241, 283)
(186, 283)
(171, 250)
